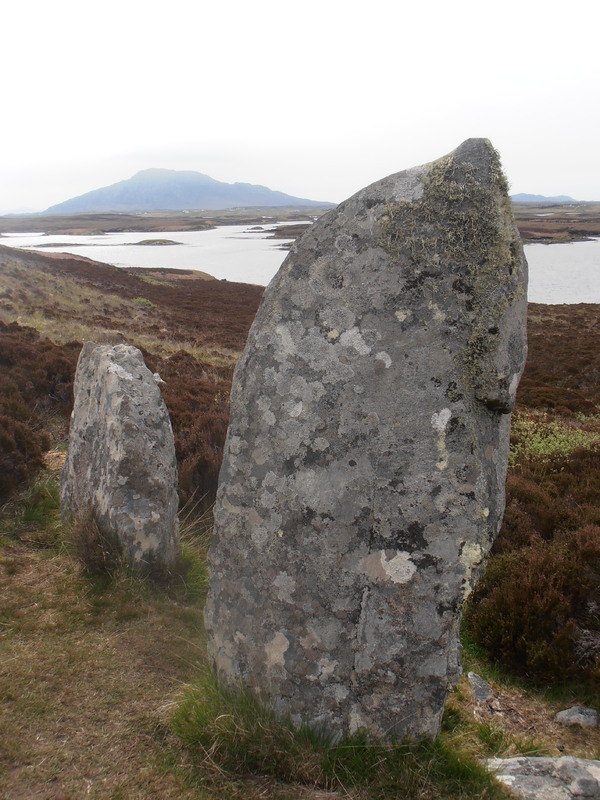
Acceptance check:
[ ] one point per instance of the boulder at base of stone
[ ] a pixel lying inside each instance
(481, 689)
(578, 715)
(364, 468)
(121, 463)
(564, 778)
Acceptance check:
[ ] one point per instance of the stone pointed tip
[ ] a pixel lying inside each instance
(482, 155)
(475, 145)
(476, 151)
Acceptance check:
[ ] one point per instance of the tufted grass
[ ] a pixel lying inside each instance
(231, 734)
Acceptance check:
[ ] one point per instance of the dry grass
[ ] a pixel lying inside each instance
(90, 667)
(82, 685)
(515, 721)
(88, 676)
(70, 298)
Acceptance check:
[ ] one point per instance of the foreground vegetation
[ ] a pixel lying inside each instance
(104, 690)
(537, 608)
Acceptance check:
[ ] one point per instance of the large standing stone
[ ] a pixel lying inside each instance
(364, 469)
(121, 462)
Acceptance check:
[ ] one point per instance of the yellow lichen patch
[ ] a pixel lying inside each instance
(276, 649)
(471, 557)
(438, 314)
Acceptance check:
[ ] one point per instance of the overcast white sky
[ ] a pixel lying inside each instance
(316, 98)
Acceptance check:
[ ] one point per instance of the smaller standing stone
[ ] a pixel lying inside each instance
(578, 715)
(121, 463)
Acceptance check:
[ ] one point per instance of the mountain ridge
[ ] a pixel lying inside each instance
(157, 189)
(540, 198)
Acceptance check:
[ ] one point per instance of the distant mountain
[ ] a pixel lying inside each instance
(540, 198)
(175, 190)
(19, 212)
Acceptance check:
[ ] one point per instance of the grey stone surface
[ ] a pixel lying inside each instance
(563, 778)
(364, 468)
(578, 715)
(121, 461)
(481, 687)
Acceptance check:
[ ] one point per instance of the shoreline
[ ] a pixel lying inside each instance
(543, 224)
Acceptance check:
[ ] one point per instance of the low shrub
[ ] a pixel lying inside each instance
(198, 402)
(21, 454)
(144, 302)
(538, 438)
(536, 606)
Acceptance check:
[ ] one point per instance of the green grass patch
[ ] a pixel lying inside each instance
(535, 436)
(232, 734)
(195, 533)
(143, 302)
(33, 517)
(103, 564)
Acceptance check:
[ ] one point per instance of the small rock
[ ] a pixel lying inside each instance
(564, 778)
(578, 715)
(480, 686)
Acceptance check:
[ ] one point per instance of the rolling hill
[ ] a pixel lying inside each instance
(540, 198)
(176, 190)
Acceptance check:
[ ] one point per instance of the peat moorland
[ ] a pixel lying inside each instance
(93, 666)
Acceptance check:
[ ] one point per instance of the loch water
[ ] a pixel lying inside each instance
(558, 273)
(564, 273)
(239, 253)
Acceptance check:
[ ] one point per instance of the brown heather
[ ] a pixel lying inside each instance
(537, 608)
(191, 331)
(36, 379)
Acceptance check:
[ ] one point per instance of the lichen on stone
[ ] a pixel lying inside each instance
(462, 225)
